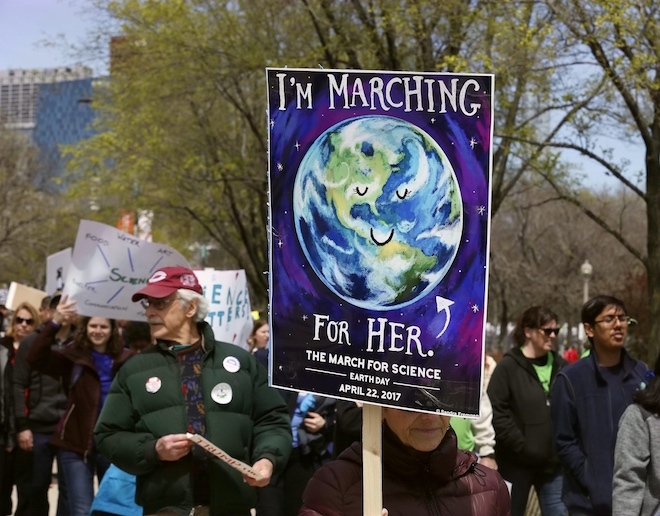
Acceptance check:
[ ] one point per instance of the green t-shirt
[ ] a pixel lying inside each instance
(463, 429)
(544, 372)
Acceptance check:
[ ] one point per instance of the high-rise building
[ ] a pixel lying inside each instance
(64, 116)
(19, 92)
(52, 107)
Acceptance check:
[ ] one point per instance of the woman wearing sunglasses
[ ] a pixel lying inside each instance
(23, 322)
(519, 392)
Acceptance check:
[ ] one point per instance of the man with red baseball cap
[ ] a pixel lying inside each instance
(165, 281)
(190, 383)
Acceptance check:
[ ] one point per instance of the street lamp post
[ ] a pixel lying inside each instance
(586, 270)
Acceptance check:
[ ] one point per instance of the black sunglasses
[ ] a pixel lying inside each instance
(20, 320)
(550, 331)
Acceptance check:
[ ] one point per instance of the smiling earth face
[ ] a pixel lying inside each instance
(378, 211)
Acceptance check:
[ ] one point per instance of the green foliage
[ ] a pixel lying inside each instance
(182, 129)
(33, 224)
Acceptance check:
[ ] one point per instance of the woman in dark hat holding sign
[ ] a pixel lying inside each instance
(424, 473)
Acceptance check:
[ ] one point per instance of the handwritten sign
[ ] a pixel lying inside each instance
(229, 304)
(108, 266)
(379, 224)
(234, 463)
(57, 267)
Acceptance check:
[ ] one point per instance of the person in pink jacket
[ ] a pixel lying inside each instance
(424, 473)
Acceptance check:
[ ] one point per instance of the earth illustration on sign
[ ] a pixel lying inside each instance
(378, 211)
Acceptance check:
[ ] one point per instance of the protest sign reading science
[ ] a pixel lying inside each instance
(379, 219)
(108, 266)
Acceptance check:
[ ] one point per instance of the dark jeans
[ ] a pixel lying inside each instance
(548, 489)
(17, 471)
(43, 455)
(79, 478)
(3, 465)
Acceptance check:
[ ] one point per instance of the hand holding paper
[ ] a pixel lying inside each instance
(264, 468)
(254, 476)
(173, 447)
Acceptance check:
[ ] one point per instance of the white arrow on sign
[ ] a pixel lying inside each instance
(443, 304)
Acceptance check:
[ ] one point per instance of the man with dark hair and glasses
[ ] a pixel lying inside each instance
(588, 399)
(191, 383)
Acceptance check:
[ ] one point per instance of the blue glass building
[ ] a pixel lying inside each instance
(63, 116)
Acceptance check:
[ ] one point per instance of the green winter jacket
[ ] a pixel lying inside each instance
(146, 402)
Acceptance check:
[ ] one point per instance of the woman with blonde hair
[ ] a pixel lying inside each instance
(24, 321)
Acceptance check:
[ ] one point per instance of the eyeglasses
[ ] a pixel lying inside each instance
(157, 304)
(20, 320)
(550, 331)
(609, 319)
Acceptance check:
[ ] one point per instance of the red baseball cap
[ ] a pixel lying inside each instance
(168, 280)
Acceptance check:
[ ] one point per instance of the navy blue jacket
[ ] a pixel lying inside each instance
(585, 424)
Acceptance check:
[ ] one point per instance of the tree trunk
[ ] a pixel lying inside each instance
(504, 324)
(653, 245)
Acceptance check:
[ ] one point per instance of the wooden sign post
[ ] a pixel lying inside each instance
(372, 463)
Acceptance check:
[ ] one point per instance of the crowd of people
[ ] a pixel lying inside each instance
(118, 400)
